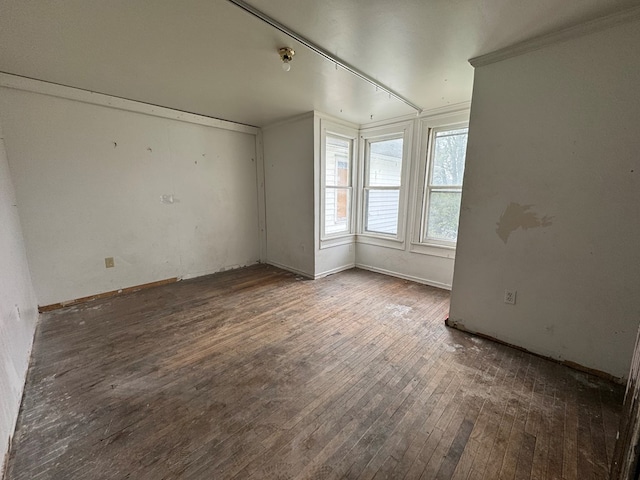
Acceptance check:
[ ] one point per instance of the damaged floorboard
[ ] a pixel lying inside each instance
(257, 373)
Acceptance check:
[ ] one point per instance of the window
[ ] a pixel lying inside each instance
(382, 184)
(447, 148)
(337, 186)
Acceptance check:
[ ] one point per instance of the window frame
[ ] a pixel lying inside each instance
(429, 187)
(329, 129)
(402, 130)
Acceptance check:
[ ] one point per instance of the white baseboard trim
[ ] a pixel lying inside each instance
(334, 270)
(424, 281)
(290, 269)
(342, 268)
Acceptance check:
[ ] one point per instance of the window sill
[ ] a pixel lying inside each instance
(336, 241)
(380, 241)
(434, 250)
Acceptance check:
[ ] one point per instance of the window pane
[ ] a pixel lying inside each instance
(336, 211)
(337, 162)
(385, 163)
(448, 157)
(382, 211)
(444, 211)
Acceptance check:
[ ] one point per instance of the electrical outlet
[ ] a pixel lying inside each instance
(510, 297)
(109, 263)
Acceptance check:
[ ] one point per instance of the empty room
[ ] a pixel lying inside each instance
(251, 239)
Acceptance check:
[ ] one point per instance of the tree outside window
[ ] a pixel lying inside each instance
(444, 185)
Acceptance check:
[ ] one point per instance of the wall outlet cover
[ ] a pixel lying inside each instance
(510, 297)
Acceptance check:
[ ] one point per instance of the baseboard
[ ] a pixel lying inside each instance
(424, 281)
(290, 269)
(112, 293)
(334, 270)
(566, 363)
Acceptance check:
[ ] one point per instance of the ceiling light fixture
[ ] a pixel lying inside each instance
(286, 55)
(320, 51)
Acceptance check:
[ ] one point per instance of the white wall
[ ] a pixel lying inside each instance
(18, 309)
(430, 269)
(89, 180)
(289, 192)
(292, 158)
(556, 129)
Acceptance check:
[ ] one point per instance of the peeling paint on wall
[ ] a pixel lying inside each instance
(519, 216)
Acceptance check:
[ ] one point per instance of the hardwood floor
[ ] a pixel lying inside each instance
(256, 373)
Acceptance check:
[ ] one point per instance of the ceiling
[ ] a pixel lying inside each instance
(211, 57)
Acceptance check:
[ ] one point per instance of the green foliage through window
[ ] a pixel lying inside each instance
(444, 184)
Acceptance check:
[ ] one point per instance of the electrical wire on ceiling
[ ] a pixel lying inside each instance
(322, 52)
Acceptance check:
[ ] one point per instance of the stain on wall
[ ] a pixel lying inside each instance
(517, 216)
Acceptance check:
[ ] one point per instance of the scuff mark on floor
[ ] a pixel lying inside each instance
(398, 310)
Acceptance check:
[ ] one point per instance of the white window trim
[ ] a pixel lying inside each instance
(404, 130)
(418, 243)
(337, 130)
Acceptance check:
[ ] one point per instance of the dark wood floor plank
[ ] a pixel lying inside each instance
(497, 456)
(570, 447)
(609, 398)
(495, 410)
(455, 451)
(483, 390)
(398, 443)
(522, 396)
(257, 373)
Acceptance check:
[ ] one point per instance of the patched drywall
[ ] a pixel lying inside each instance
(18, 309)
(165, 198)
(553, 159)
(517, 216)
